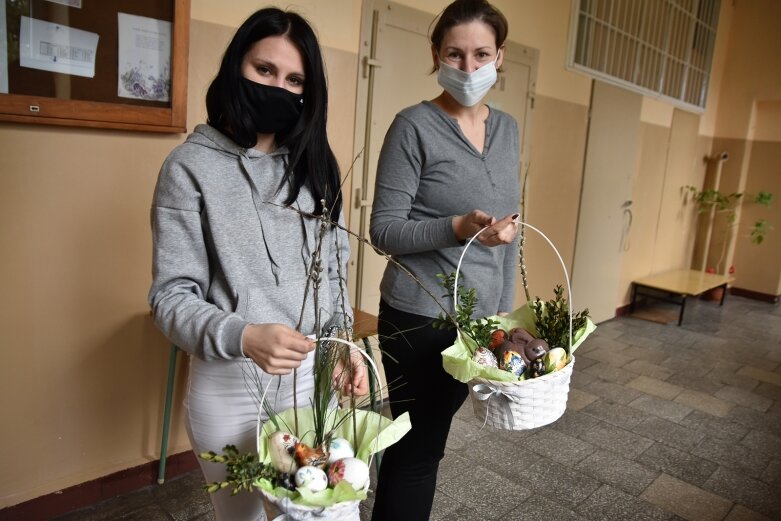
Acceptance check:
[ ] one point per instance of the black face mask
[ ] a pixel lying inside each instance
(272, 109)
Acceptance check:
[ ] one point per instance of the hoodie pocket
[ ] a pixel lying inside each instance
(266, 304)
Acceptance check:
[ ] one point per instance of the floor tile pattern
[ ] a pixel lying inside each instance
(663, 423)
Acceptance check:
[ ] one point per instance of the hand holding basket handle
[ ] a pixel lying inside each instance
(276, 348)
(515, 219)
(353, 381)
(491, 232)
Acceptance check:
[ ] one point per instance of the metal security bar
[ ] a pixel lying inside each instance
(661, 48)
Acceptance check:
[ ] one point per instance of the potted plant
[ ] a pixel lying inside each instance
(716, 294)
(722, 206)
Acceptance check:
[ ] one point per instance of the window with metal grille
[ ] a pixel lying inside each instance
(660, 48)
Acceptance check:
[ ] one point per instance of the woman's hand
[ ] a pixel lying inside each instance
(497, 232)
(465, 226)
(500, 232)
(276, 348)
(359, 385)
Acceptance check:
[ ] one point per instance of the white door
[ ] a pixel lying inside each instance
(611, 160)
(395, 72)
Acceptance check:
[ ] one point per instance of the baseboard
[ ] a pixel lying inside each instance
(623, 310)
(80, 496)
(756, 295)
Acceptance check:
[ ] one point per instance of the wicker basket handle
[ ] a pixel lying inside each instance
(352, 347)
(561, 261)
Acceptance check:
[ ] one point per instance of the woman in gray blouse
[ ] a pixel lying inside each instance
(448, 168)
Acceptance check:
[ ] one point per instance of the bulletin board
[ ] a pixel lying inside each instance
(95, 63)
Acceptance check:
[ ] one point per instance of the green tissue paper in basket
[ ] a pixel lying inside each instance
(457, 359)
(374, 433)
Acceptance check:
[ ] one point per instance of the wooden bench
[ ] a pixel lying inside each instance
(365, 327)
(364, 324)
(677, 285)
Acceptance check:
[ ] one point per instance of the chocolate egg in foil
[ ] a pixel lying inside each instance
(512, 362)
(537, 368)
(520, 336)
(497, 337)
(535, 349)
(485, 357)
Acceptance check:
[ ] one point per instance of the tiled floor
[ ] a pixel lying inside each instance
(663, 423)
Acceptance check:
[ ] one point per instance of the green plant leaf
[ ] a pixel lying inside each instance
(478, 330)
(551, 319)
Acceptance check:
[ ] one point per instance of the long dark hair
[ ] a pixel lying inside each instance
(465, 11)
(311, 161)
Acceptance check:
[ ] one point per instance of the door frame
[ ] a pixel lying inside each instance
(357, 220)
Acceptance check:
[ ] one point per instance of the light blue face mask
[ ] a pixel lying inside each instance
(467, 88)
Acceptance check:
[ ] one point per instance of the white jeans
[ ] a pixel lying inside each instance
(222, 407)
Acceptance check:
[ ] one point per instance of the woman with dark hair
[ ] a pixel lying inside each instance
(447, 169)
(232, 256)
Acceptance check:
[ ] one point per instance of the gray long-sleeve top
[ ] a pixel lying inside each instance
(225, 256)
(429, 172)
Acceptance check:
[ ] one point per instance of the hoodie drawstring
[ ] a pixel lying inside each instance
(256, 196)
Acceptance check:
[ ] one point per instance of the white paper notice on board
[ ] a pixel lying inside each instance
(57, 48)
(144, 67)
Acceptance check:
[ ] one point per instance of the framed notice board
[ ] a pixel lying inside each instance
(95, 63)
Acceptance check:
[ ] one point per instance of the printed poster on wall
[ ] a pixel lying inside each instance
(57, 48)
(144, 67)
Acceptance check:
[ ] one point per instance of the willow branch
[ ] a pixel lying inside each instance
(382, 253)
(522, 240)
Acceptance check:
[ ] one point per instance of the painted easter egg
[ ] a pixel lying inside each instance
(485, 357)
(507, 345)
(555, 359)
(352, 470)
(339, 448)
(281, 446)
(512, 362)
(311, 478)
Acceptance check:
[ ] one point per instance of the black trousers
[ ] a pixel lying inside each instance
(417, 383)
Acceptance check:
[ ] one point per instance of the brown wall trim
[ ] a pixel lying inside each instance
(95, 491)
(623, 310)
(756, 295)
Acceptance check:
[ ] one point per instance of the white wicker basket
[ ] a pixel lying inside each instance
(283, 509)
(530, 403)
(522, 405)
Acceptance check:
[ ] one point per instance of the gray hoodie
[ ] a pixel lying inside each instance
(226, 253)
